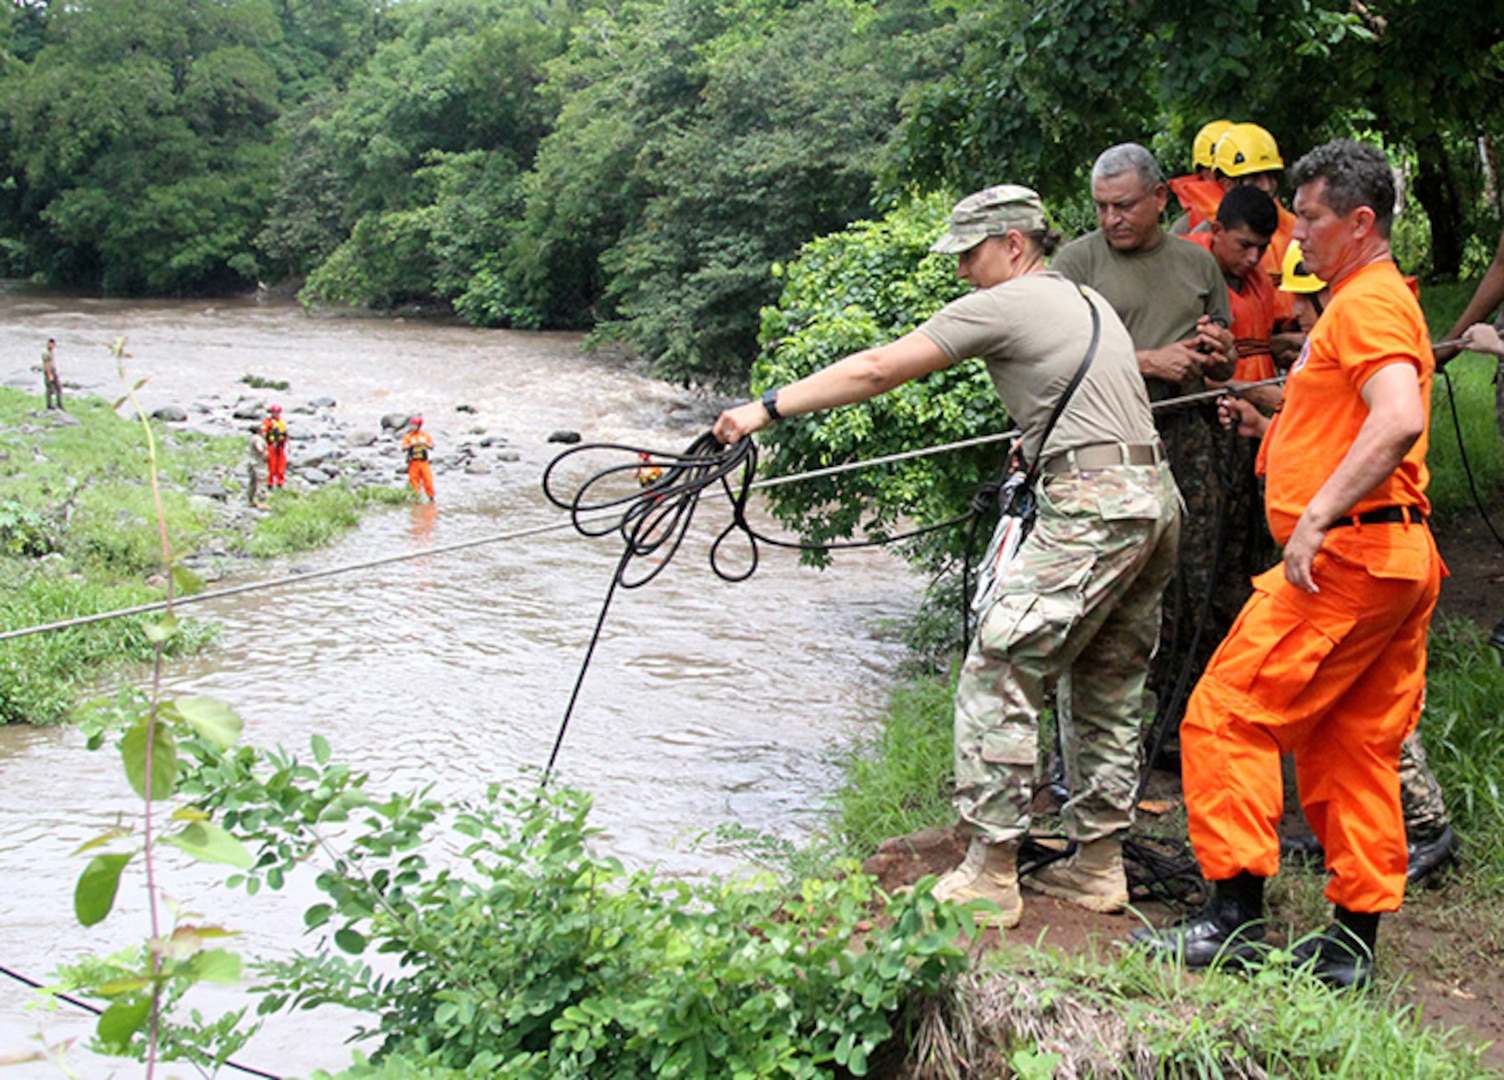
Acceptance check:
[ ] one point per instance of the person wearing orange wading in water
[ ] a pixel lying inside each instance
(1328, 658)
(417, 444)
(1198, 191)
(274, 432)
(648, 473)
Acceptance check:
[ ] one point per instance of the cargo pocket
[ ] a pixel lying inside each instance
(1010, 748)
(1035, 623)
(1279, 642)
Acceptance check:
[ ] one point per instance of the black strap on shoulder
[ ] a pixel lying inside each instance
(1091, 352)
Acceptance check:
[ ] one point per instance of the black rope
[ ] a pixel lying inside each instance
(654, 519)
(1467, 468)
(1173, 707)
(86, 1007)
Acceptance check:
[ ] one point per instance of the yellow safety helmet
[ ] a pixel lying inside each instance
(1205, 143)
(1244, 149)
(1294, 277)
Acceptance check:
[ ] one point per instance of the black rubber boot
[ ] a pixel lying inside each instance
(1496, 639)
(1229, 930)
(1430, 855)
(1426, 856)
(1341, 956)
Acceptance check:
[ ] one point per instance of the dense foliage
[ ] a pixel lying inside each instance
(532, 956)
(638, 168)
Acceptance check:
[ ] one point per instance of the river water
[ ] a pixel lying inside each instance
(706, 702)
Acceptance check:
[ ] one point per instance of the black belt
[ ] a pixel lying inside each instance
(1384, 515)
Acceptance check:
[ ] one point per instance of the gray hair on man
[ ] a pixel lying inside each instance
(1125, 157)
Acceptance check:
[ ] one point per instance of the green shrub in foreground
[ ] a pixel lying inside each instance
(537, 958)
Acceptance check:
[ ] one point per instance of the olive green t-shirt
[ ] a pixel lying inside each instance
(1159, 294)
(1033, 333)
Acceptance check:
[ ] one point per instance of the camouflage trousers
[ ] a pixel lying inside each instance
(1420, 795)
(1080, 601)
(1224, 542)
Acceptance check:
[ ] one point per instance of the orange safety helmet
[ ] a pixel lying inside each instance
(415, 421)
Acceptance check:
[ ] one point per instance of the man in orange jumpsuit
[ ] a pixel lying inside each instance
(1198, 191)
(1238, 238)
(1328, 658)
(417, 444)
(274, 432)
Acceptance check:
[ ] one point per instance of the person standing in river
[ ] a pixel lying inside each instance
(417, 444)
(255, 462)
(52, 386)
(1082, 595)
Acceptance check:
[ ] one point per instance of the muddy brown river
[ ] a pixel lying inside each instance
(706, 703)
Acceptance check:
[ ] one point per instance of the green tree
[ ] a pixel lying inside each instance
(852, 290)
(140, 143)
(700, 143)
(780, 149)
(1040, 89)
(444, 114)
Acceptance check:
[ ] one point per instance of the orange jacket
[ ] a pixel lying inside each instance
(1254, 310)
(417, 445)
(1199, 197)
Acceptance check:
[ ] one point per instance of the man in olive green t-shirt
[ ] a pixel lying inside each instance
(1173, 299)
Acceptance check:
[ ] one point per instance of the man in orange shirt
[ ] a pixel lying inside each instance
(274, 432)
(1328, 657)
(1198, 191)
(417, 444)
(1237, 239)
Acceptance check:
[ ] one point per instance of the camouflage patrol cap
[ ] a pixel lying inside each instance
(992, 211)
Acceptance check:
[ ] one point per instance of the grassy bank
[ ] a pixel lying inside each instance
(1032, 1012)
(79, 534)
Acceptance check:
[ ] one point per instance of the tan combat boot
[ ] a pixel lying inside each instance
(989, 872)
(1092, 878)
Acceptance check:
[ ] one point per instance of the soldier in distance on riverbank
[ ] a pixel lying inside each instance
(52, 385)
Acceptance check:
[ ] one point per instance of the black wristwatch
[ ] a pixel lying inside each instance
(770, 402)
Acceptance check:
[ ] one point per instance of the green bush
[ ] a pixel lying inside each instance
(537, 958)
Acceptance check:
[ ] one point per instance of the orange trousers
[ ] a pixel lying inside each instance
(276, 465)
(1336, 678)
(420, 476)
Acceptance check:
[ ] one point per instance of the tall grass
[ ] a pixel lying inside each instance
(1035, 1013)
(1464, 704)
(42, 675)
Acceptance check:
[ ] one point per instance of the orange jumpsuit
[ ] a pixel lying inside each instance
(1198, 196)
(417, 445)
(1337, 676)
(1253, 316)
(1203, 198)
(274, 431)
